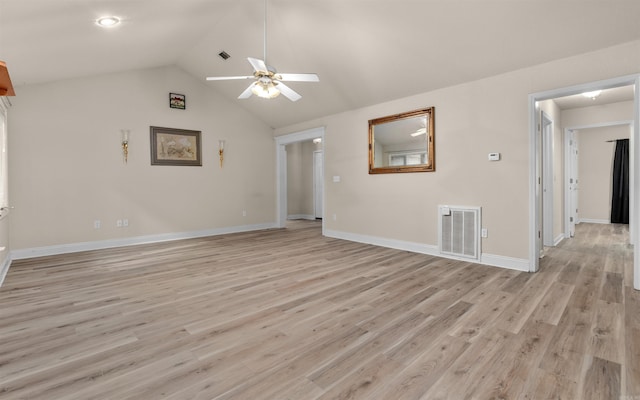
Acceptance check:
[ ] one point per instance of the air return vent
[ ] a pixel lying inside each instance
(224, 55)
(459, 231)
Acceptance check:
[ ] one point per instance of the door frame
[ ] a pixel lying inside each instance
(535, 157)
(281, 170)
(547, 131)
(315, 184)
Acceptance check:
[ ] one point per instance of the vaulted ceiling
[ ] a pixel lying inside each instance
(365, 51)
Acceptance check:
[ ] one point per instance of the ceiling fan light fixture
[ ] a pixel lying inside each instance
(265, 90)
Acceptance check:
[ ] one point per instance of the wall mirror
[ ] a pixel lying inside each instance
(402, 142)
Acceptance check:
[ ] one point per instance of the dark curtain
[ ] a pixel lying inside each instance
(620, 193)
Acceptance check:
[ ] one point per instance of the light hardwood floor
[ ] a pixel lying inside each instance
(289, 314)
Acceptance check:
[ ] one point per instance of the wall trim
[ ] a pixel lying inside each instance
(4, 268)
(594, 221)
(302, 216)
(107, 244)
(519, 264)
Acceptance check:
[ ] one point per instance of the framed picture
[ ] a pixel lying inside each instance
(171, 146)
(177, 101)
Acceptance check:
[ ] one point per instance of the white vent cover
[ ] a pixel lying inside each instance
(459, 231)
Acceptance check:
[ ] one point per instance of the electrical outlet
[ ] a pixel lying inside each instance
(244, 213)
(335, 217)
(97, 224)
(119, 223)
(125, 222)
(484, 233)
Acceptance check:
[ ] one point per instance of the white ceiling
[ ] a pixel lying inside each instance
(365, 51)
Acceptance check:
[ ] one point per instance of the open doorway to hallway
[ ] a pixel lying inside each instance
(578, 135)
(305, 180)
(300, 176)
(563, 166)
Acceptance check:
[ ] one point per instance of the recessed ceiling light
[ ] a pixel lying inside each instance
(108, 22)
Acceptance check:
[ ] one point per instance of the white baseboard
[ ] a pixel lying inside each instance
(384, 242)
(4, 268)
(558, 239)
(107, 244)
(518, 264)
(302, 216)
(594, 221)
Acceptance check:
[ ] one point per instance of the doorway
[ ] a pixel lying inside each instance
(537, 157)
(281, 170)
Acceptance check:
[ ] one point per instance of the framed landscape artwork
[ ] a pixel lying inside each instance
(177, 101)
(170, 146)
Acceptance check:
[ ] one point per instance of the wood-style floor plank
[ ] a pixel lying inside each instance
(288, 314)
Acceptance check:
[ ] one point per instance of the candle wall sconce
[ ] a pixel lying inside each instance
(221, 151)
(125, 144)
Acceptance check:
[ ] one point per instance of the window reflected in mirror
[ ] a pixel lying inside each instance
(402, 142)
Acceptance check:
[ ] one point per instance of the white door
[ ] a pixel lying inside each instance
(318, 183)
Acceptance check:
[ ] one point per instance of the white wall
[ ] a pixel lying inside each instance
(66, 167)
(472, 119)
(595, 169)
(615, 112)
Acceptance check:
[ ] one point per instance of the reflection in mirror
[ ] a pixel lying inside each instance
(402, 142)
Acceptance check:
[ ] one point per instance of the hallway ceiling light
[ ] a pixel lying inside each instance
(592, 95)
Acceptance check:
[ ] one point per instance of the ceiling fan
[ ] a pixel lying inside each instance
(268, 82)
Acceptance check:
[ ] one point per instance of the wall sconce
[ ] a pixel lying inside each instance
(125, 144)
(221, 151)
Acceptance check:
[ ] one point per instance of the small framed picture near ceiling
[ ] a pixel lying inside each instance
(170, 146)
(177, 101)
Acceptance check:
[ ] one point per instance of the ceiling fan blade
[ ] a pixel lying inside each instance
(288, 92)
(247, 92)
(299, 77)
(228, 78)
(258, 65)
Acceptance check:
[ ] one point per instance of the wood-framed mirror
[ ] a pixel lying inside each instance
(403, 142)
